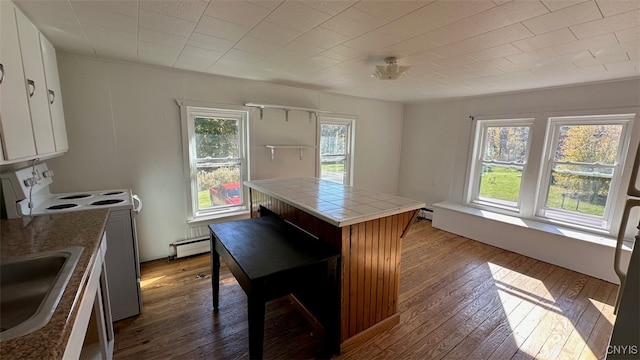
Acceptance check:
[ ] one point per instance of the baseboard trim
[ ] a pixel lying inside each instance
(369, 333)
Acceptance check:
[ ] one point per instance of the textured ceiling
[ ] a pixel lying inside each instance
(455, 47)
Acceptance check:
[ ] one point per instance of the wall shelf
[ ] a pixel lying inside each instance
(286, 109)
(273, 148)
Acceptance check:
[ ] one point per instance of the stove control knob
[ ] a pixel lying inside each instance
(47, 173)
(29, 182)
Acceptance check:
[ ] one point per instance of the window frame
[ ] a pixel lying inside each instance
(336, 119)
(552, 134)
(533, 190)
(480, 127)
(189, 111)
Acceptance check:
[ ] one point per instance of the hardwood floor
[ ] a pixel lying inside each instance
(459, 299)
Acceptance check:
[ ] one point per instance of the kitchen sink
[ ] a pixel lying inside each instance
(31, 287)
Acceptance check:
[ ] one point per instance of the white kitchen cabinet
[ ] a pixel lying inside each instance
(54, 95)
(36, 85)
(16, 131)
(31, 115)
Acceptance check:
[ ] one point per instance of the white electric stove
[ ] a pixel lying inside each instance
(113, 199)
(26, 193)
(31, 186)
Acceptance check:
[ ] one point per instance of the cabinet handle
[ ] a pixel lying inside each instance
(52, 96)
(137, 209)
(1, 76)
(33, 87)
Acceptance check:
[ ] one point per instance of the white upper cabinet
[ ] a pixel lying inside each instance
(36, 85)
(54, 94)
(16, 131)
(31, 115)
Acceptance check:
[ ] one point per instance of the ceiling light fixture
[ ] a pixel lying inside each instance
(391, 71)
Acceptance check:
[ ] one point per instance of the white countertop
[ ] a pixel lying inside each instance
(337, 204)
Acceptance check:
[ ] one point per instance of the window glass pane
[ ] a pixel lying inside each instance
(503, 156)
(219, 184)
(217, 138)
(581, 189)
(506, 143)
(333, 152)
(588, 143)
(581, 172)
(500, 183)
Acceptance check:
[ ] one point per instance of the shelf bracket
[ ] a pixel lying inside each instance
(272, 149)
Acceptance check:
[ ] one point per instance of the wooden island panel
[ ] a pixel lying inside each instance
(369, 264)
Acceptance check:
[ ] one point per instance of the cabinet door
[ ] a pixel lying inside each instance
(15, 121)
(54, 94)
(36, 86)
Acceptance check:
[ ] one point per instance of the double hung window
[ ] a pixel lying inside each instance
(582, 169)
(335, 150)
(571, 176)
(217, 160)
(500, 157)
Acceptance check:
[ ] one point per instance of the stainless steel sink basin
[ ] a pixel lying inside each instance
(31, 287)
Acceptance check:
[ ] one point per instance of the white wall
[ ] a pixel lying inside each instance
(124, 131)
(436, 142)
(437, 134)
(275, 129)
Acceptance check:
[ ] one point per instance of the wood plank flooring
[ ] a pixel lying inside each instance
(459, 299)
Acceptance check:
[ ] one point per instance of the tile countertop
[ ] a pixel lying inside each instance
(46, 233)
(337, 204)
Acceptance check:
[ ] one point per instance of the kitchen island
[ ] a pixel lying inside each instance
(366, 226)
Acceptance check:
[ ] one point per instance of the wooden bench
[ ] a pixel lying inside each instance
(271, 258)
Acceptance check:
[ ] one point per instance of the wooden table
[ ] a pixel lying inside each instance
(271, 258)
(365, 226)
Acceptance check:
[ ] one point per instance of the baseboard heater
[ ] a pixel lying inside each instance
(191, 247)
(426, 213)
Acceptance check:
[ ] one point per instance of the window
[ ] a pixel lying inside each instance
(499, 161)
(217, 160)
(335, 149)
(567, 171)
(582, 168)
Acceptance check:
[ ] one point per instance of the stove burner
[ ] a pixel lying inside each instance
(62, 206)
(78, 196)
(113, 193)
(106, 202)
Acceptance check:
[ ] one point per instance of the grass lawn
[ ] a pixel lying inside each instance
(504, 184)
(203, 199)
(501, 183)
(333, 167)
(555, 201)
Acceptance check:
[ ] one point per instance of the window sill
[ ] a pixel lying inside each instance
(537, 225)
(216, 216)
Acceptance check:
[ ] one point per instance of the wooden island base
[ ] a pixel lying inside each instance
(369, 333)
